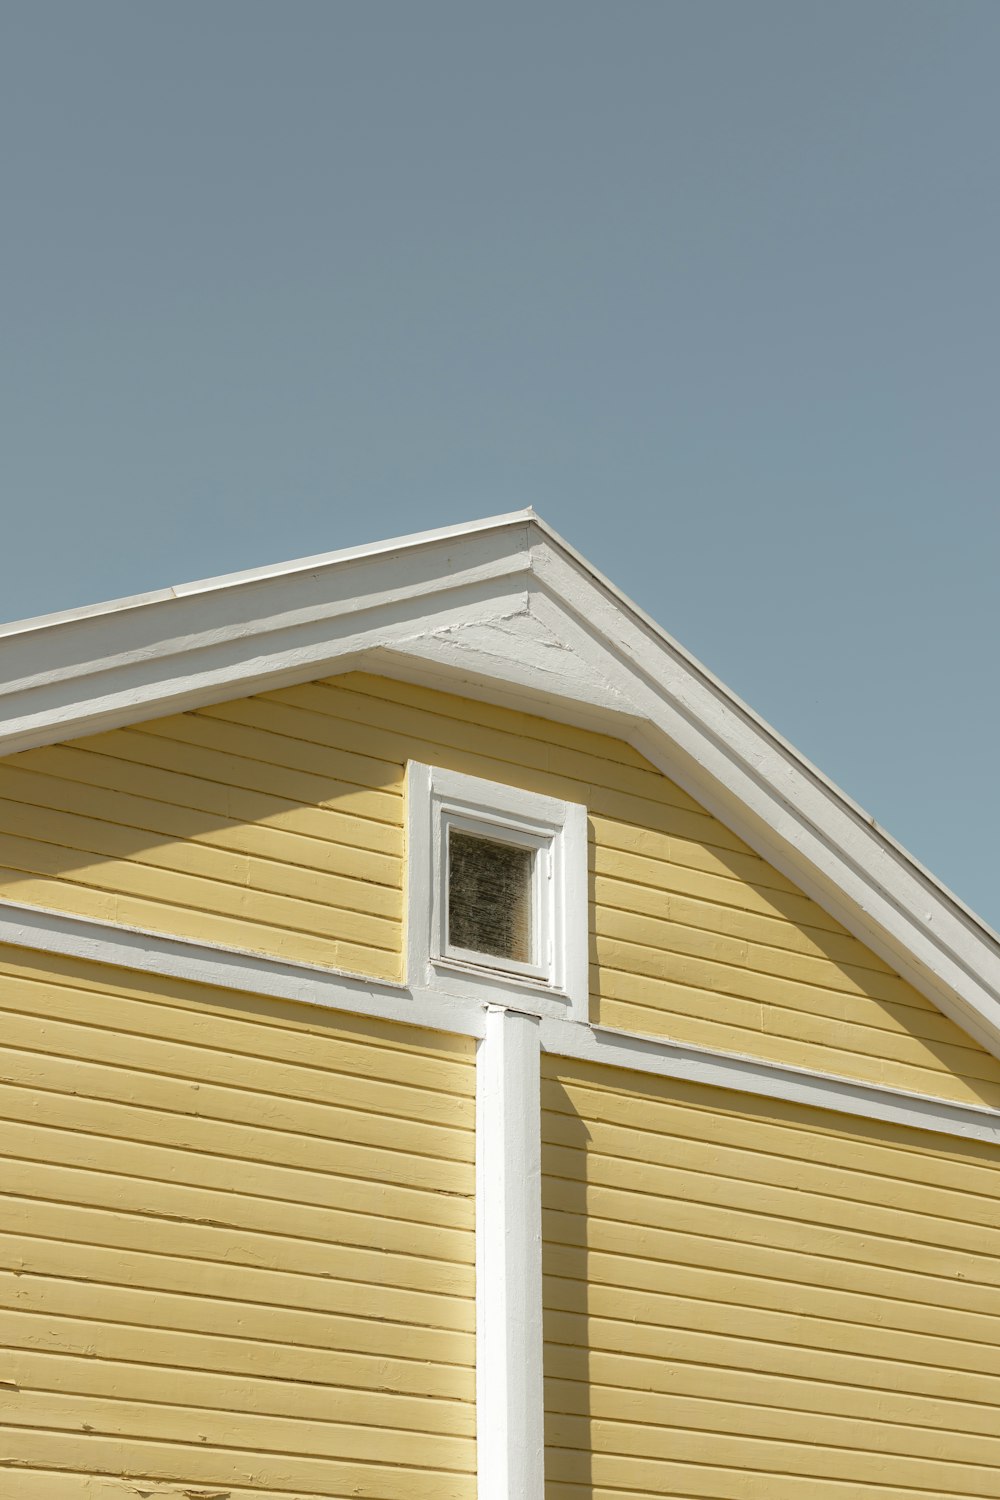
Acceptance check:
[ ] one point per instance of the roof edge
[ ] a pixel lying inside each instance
(776, 738)
(311, 564)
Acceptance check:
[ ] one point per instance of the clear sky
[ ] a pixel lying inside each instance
(713, 284)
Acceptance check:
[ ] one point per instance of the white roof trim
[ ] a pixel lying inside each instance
(505, 609)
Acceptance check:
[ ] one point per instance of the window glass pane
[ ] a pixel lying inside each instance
(489, 896)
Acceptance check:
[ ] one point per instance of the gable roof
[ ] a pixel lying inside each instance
(505, 609)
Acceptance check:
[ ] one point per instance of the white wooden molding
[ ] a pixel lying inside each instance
(509, 1390)
(233, 969)
(749, 1075)
(558, 982)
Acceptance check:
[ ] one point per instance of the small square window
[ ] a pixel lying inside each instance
(489, 897)
(497, 890)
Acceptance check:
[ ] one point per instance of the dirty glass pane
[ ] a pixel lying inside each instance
(489, 897)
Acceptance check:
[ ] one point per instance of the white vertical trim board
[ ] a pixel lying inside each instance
(510, 1401)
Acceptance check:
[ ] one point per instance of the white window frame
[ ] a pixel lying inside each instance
(555, 981)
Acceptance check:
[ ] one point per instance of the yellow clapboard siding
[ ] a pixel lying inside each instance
(692, 1483)
(207, 1172)
(203, 1465)
(696, 1200)
(259, 1394)
(807, 1043)
(749, 1288)
(367, 913)
(703, 904)
(236, 1356)
(35, 1177)
(856, 1145)
(380, 1294)
(718, 1262)
(244, 798)
(367, 786)
(668, 932)
(481, 712)
(746, 1011)
(319, 1058)
(921, 1185)
(732, 1393)
(226, 895)
(258, 1154)
(803, 1463)
(629, 840)
(645, 1323)
(304, 1128)
(294, 1032)
(676, 1427)
(95, 893)
(176, 1421)
(438, 723)
(120, 793)
(897, 1209)
(276, 1277)
(240, 1258)
(382, 746)
(42, 1483)
(275, 824)
(180, 1063)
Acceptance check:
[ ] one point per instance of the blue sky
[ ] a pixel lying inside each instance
(711, 284)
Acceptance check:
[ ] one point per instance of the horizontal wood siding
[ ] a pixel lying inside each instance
(237, 1246)
(763, 1302)
(275, 823)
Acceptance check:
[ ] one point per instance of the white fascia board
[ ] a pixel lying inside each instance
(188, 652)
(235, 970)
(705, 740)
(297, 566)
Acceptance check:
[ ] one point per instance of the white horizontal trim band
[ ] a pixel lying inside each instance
(748, 1075)
(233, 969)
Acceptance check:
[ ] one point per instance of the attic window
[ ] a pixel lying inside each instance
(489, 897)
(497, 890)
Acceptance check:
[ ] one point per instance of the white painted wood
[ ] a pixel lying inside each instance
(556, 981)
(233, 969)
(746, 1075)
(509, 1390)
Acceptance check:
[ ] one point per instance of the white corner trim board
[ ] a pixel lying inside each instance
(233, 969)
(504, 608)
(509, 1387)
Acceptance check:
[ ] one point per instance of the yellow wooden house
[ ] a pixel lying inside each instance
(452, 1049)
